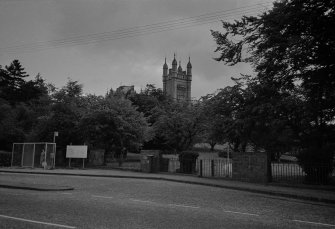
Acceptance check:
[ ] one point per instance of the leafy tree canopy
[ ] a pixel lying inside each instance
(178, 125)
(292, 45)
(114, 123)
(292, 50)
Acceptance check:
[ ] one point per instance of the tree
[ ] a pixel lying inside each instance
(148, 99)
(269, 117)
(151, 90)
(10, 131)
(214, 132)
(64, 113)
(14, 87)
(177, 126)
(22, 103)
(32, 90)
(114, 124)
(70, 91)
(291, 48)
(16, 73)
(11, 80)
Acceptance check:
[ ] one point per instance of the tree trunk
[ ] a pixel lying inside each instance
(212, 144)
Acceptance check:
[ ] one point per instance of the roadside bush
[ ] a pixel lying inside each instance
(317, 163)
(164, 164)
(5, 158)
(188, 161)
(224, 154)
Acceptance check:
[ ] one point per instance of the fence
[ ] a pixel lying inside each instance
(40, 154)
(287, 172)
(218, 167)
(222, 167)
(294, 173)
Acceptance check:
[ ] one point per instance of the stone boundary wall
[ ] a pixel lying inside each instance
(250, 167)
(145, 164)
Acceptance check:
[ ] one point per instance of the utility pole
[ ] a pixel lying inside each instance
(55, 135)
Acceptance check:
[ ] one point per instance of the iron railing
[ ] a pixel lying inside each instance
(294, 173)
(220, 167)
(282, 172)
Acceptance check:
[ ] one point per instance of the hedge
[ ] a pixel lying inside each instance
(5, 158)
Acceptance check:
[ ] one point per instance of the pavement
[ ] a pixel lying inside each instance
(312, 193)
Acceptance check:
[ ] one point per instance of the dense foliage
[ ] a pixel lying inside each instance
(178, 125)
(33, 110)
(290, 100)
(116, 122)
(287, 105)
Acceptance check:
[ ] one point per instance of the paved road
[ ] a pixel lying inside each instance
(134, 203)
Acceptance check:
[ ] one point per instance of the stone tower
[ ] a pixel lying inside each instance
(176, 82)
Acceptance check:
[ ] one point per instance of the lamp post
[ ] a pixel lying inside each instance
(53, 155)
(228, 146)
(55, 135)
(228, 159)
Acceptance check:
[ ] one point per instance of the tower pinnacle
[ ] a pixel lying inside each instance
(189, 67)
(165, 66)
(174, 63)
(176, 82)
(180, 68)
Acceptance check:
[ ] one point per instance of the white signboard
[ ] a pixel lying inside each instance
(76, 151)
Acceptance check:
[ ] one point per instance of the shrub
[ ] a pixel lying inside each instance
(5, 158)
(188, 155)
(188, 161)
(317, 163)
(224, 154)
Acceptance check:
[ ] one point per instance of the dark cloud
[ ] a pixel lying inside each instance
(107, 63)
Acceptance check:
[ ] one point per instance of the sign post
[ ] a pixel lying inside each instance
(55, 135)
(76, 152)
(228, 151)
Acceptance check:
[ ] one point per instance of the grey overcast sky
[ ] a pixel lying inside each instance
(107, 43)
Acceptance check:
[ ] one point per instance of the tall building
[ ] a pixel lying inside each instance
(176, 82)
(125, 91)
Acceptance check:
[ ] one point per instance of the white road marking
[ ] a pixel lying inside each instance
(143, 201)
(15, 194)
(176, 205)
(172, 205)
(315, 223)
(66, 193)
(149, 202)
(184, 206)
(241, 213)
(106, 197)
(39, 222)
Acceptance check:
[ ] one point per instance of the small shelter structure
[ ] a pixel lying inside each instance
(34, 154)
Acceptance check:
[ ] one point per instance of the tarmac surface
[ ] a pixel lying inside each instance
(323, 194)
